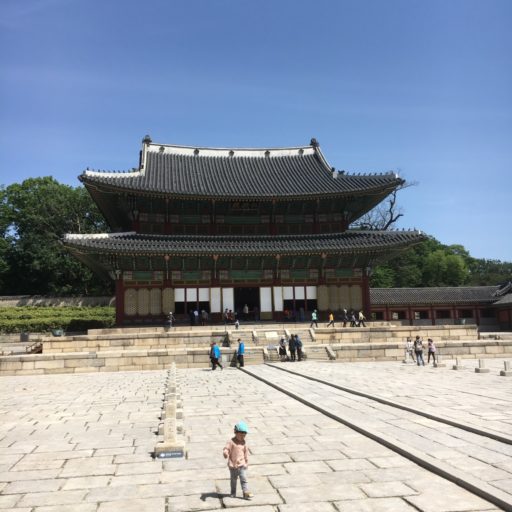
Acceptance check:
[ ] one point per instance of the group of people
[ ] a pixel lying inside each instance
(352, 317)
(215, 355)
(414, 350)
(294, 347)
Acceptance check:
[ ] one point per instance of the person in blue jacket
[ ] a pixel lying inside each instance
(240, 353)
(215, 356)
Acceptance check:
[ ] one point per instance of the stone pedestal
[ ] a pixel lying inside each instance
(506, 372)
(481, 367)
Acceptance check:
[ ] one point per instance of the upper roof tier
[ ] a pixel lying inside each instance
(239, 173)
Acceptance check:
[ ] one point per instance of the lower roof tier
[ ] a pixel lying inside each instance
(348, 242)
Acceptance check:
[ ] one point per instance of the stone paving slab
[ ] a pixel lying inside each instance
(82, 443)
(471, 454)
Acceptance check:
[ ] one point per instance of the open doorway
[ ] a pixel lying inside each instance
(249, 297)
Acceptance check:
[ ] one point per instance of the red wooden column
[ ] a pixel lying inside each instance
(367, 305)
(119, 300)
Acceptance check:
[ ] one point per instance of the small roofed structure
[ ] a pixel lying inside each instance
(218, 228)
(486, 306)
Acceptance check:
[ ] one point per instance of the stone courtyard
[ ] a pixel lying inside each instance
(84, 442)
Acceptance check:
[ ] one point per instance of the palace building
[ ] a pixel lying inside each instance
(223, 228)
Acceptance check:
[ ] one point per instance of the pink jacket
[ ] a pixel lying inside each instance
(237, 453)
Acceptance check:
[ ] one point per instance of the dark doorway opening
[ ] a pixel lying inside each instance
(249, 297)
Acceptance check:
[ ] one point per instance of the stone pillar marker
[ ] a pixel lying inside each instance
(481, 367)
(507, 372)
(171, 446)
(458, 365)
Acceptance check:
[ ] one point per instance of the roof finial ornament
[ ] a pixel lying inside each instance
(146, 140)
(314, 143)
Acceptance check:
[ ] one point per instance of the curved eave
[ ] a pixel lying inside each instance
(101, 187)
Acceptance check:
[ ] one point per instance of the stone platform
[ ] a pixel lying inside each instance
(147, 348)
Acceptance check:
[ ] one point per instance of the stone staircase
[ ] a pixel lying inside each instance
(318, 353)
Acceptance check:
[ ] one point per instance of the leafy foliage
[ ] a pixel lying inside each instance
(434, 264)
(44, 319)
(34, 216)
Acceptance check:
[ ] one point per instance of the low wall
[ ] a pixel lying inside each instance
(446, 350)
(134, 341)
(44, 301)
(130, 360)
(136, 360)
(396, 334)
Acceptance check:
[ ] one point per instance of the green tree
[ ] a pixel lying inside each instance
(34, 216)
(383, 277)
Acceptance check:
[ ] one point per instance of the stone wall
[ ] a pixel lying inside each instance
(43, 301)
(113, 361)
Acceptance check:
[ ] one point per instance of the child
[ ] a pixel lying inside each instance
(237, 453)
(431, 351)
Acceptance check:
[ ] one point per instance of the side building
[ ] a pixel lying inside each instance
(221, 228)
(489, 307)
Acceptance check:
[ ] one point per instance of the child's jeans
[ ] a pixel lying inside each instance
(235, 473)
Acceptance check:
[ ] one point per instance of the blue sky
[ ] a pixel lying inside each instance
(419, 87)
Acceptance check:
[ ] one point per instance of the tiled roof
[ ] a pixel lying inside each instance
(245, 173)
(437, 295)
(349, 242)
(504, 301)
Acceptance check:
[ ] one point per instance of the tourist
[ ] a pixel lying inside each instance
(331, 319)
(196, 316)
(361, 319)
(418, 350)
(298, 346)
(215, 356)
(245, 311)
(431, 351)
(225, 316)
(344, 317)
(240, 353)
(237, 324)
(170, 320)
(282, 349)
(237, 453)
(292, 347)
(352, 316)
(409, 350)
(204, 317)
(314, 319)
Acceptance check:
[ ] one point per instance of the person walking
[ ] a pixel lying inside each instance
(431, 351)
(314, 319)
(352, 316)
(344, 317)
(240, 353)
(292, 347)
(418, 350)
(331, 319)
(409, 350)
(170, 320)
(215, 356)
(282, 350)
(298, 346)
(237, 454)
(361, 319)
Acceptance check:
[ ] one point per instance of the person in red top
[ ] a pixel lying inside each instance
(237, 453)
